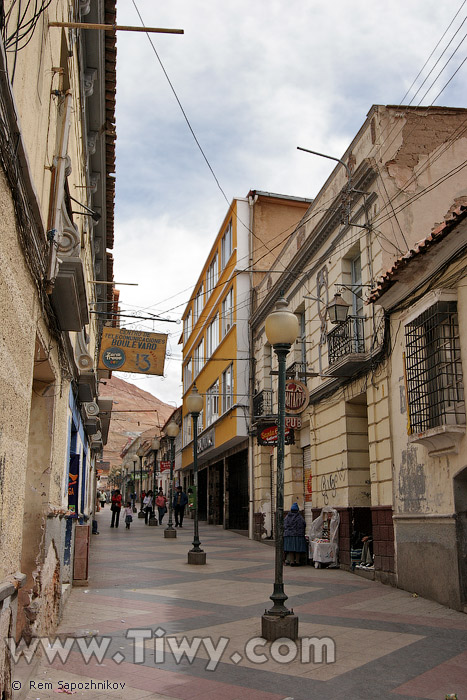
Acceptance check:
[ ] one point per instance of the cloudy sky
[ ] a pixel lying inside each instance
(255, 80)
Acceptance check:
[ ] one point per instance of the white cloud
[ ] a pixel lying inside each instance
(256, 79)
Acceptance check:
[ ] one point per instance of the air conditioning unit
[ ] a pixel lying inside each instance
(91, 409)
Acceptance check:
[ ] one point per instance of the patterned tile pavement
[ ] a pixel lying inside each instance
(358, 638)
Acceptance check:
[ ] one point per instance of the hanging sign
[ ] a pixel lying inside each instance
(73, 483)
(164, 466)
(132, 351)
(268, 436)
(296, 396)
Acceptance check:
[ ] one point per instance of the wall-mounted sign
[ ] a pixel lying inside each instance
(164, 466)
(132, 351)
(268, 436)
(73, 483)
(296, 396)
(206, 441)
(293, 422)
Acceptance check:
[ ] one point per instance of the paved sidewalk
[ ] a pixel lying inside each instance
(388, 644)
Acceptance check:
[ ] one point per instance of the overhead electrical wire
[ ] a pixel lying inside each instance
(301, 223)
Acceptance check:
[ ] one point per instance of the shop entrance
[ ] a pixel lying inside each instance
(460, 503)
(202, 494)
(216, 493)
(238, 491)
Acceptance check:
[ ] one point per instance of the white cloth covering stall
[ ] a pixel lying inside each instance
(323, 543)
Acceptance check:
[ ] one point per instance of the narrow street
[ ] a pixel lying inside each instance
(388, 643)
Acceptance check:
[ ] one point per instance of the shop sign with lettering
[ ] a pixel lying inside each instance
(293, 422)
(267, 435)
(296, 396)
(206, 441)
(164, 466)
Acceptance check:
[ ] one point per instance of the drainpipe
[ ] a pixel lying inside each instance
(58, 185)
(251, 482)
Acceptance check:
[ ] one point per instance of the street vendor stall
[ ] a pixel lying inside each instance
(323, 538)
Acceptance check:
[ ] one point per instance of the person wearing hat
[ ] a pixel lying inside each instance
(294, 536)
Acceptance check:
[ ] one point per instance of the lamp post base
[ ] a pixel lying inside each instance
(141, 514)
(275, 626)
(170, 534)
(196, 557)
(152, 521)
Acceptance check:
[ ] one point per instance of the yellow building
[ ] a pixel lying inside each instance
(216, 355)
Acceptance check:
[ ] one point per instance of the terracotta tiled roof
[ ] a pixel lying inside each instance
(420, 248)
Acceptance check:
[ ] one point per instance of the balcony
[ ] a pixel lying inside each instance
(262, 404)
(346, 347)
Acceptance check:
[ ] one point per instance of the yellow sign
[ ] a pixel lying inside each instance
(132, 351)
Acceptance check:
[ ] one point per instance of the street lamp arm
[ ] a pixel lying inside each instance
(323, 155)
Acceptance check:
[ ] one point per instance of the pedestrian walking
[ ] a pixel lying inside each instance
(161, 503)
(147, 507)
(128, 512)
(103, 498)
(116, 508)
(294, 536)
(179, 503)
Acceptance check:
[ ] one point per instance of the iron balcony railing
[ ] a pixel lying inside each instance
(346, 339)
(262, 403)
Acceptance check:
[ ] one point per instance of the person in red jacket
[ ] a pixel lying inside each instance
(116, 507)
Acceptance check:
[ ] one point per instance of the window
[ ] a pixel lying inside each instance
(187, 375)
(187, 428)
(357, 288)
(227, 389)
(434, 371)
(198, 305)
(187, 326)
(212, 336)
(212, 403)
(198, 362)
(227, 313)
(226, 245)
(211, 275)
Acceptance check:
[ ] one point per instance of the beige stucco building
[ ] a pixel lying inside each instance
(396, 180)
(57, 102)
(424, 295)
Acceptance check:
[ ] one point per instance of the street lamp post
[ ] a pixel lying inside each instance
(155, 446)
(281, 330)
(172, 431)
(140, 453)
(134, 484)
(194, 404)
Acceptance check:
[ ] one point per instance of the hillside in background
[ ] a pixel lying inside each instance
(133, 412)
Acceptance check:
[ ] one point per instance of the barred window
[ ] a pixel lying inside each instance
(434, 371)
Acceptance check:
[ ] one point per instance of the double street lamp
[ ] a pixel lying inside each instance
(172, 431)
(282, 329)
(194, 404)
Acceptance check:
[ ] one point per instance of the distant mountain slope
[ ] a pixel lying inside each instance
(123, 425)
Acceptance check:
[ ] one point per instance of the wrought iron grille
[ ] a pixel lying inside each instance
(346, 338)
(434, 370)
(262, 403)
(297, 368)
